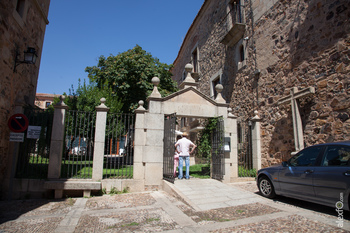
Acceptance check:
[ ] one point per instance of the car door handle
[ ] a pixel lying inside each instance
(347, 173)
(308, 171)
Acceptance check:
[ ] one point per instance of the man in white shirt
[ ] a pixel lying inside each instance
(182, 147)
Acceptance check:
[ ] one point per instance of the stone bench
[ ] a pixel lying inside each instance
(60, 185)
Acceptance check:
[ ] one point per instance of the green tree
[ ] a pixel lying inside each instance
(89, 96)
(86, 97)
(129, 75)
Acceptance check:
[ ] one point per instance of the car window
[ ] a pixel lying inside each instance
(306, 157)
(336, 156)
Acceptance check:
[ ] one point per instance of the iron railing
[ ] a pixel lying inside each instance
(236, 14)
(79, 140)
(119, 146)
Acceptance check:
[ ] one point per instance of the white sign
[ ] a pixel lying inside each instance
(33, 132)
(16, 137)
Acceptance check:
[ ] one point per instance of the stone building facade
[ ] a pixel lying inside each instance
(44, 100)
(22, 25)
(261, 51)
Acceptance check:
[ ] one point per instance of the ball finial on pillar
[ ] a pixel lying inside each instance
(155, 93)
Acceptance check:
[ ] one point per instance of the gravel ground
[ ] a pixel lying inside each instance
(120, 201)
(147, 212)
(227, 214)
(292, 223)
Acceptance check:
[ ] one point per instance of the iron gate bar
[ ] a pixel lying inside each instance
(169, 147)
(218, 156)
(119, 146)
(78, 157)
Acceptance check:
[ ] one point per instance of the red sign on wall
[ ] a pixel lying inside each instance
(18, 123)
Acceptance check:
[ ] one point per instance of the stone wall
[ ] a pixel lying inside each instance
(293, 44)
(17, 32)
(303, 44)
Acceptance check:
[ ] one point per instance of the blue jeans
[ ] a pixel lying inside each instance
(181, 164)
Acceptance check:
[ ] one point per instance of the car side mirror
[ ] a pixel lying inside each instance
(285, 164)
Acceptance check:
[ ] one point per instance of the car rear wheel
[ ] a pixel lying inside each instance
(266, 188)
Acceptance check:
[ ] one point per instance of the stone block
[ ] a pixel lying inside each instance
(139, 171)
(153, 154)
(153, 174)
(140, 137)
(154, 121)
(72, 185)
(155, 107)
(138, 154)
(154, 137)
(60, 185)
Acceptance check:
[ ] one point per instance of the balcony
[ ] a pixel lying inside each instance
(234, 25)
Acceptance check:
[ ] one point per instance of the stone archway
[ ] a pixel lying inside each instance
(149, 128)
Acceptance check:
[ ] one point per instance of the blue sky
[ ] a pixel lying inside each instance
(80, 31)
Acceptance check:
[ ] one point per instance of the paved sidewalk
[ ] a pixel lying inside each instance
(190, 206)
(207, 194)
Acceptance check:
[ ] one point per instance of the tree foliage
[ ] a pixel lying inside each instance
(128, 75)
(87, 96)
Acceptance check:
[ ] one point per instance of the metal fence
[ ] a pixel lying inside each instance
(119, 146)
(79, 140)
(33, 156)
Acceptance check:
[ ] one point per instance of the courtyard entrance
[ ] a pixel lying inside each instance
(216, 158)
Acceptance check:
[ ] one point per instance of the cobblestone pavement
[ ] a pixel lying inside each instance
(158, 211)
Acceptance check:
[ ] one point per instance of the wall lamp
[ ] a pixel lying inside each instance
(30, 57)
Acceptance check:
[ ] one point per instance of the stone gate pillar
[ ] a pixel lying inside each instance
(256, 141)
(154, 135)
(231, 159)
(230, 123)
(139, 143)
(99, 145)
(57, 140)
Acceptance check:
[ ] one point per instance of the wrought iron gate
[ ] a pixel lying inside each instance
(245, 153)
(218, 157)
(169, 149)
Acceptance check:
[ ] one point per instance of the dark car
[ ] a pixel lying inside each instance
(319, 173)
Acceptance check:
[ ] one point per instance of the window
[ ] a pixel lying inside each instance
(336, 156)
(306, 157)
(20, 12)
(195, 58)
(183, 75)
(20, 7)
(214, 83)
(195, 61)
(237, 11)
(239, 133)
(183, 122)
(47, 104)
(241, 53)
